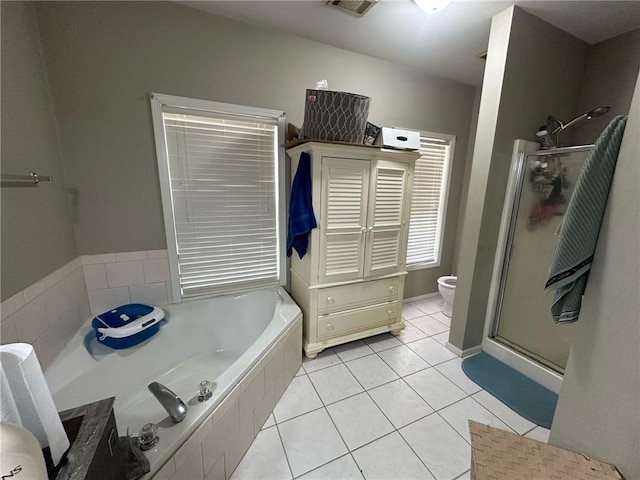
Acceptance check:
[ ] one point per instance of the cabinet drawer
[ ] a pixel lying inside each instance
(336, 324)
(363, 294)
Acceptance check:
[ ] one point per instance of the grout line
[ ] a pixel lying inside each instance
(350, 452)
(391, 423)
(400, 377)
(395, 430)
(286, 457)
(462, 474)
(337, 430)
(528, 431)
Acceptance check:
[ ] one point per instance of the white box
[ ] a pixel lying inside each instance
(390, 137)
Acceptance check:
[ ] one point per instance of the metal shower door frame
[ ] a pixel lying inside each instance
(514, 205)
(524, 364)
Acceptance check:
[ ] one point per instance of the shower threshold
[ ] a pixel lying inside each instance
(543, 362)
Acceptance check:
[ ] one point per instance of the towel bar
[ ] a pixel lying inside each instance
(31, 180)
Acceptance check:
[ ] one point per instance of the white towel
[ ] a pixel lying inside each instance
(25, 394)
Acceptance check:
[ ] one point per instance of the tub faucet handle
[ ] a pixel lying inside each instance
(172, 403)
(205, 390)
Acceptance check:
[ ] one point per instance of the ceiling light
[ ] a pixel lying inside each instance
(432, 6)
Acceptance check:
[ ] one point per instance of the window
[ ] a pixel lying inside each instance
(220, 169)
(429, 200)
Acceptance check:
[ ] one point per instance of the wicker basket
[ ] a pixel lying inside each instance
(500, 455)
(335, 116)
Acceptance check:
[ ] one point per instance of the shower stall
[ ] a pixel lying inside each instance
(519, 329)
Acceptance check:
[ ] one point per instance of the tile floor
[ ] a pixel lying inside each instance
(381, 408)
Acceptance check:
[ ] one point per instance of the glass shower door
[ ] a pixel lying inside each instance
(544, 185)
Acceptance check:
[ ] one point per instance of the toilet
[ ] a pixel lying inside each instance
(447, 288)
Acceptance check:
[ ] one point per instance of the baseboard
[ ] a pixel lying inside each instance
(464, 353)
(421, 297)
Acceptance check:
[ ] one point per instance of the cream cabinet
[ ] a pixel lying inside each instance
(350, 283)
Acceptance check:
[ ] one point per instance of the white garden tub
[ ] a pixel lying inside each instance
(224, 340)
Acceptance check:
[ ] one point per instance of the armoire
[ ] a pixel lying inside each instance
(350, 283)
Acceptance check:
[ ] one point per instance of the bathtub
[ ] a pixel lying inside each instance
(248, 344)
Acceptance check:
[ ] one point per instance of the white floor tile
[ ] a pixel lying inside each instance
(403, 360)
(310, 441)
(371, 371)
(409, 312)
(442, 450)
(359, 420)
(299, 397)
(270, 422)
(465, 476)
(459, 414)
(264, 459)
(517, 423)
(540, 434)
(382, 342)
(335, 383)
(441, 338)
(343, 468)
(429, 325)
(452, 369)
(410, 333)
(431, 351)
(434, 388)
(400, 403)
(438, 300)
(426, 306)
(353, 350)
(300, 372)
(442, 318)
(390, 458)
(325, 359)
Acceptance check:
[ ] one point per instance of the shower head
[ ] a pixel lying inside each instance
(596, 112)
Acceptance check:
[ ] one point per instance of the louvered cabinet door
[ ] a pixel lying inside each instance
(387, 223)
(343, 217)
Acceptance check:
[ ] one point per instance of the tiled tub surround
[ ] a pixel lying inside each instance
(249, 345)
(48, 313)
(115, 279)
(383, 408)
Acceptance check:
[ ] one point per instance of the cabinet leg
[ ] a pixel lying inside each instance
(311, 355)
(396, 332)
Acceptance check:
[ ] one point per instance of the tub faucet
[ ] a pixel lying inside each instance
(172, 403)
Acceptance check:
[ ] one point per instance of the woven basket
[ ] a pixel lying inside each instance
(335, 116)
(500, 455)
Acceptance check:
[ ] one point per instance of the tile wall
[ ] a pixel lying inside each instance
(115, 279)
(48, 313)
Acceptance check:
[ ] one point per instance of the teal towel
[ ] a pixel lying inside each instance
(580, 226)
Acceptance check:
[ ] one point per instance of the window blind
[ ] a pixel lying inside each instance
(223, 175)
(430, 182)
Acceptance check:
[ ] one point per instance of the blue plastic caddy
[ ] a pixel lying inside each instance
(127, 325)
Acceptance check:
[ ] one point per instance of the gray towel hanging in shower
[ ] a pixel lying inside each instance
(578, 236)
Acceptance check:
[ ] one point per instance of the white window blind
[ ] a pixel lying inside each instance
(428, 202)
(223, 177)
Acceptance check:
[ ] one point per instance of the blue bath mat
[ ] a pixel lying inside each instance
(530, 399)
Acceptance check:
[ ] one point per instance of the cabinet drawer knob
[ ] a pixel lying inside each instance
(330, 327)
(392, 289)
(330, 300)
(391, 313)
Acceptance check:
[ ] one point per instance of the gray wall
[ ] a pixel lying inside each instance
(599, 407)
(37, 228)
(517, 96)
(466, 179)
(103, 59)
(609, 79)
